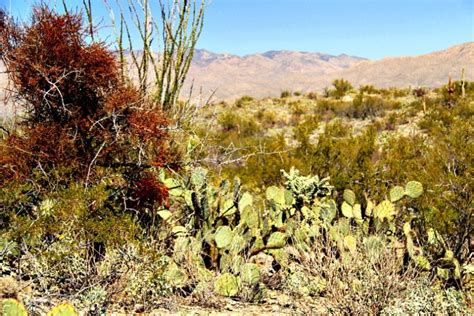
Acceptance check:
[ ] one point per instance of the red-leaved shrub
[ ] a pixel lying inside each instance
(80, 118)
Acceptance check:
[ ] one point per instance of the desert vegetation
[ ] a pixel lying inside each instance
(117, 196)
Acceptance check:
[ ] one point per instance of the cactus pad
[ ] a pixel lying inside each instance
(245, 200)
(276, 194)
(396, 193)
(223, 236)
(63, 310)
(12, 307)
(346, 209)
(349, 196)
(250, 273)
(414, 189)
(276, 240)
(226, 285)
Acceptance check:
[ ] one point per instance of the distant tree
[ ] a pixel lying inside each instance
(341, 88)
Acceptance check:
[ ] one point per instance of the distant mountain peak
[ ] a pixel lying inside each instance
(268, 73)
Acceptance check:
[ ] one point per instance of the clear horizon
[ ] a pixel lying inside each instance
(363, 28)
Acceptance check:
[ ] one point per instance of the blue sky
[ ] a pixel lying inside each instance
(367, 28)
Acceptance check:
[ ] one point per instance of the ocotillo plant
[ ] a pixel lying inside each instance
(176, 27)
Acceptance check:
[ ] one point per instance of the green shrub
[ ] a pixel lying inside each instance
(341, 88)
(243, 101)
(285, 94)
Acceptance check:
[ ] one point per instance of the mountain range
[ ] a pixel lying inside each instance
(267, 74)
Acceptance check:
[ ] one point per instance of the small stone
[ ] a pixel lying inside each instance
(139, 308)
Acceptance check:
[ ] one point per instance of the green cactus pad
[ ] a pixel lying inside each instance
(349, 196)
(179, 231)
(369, 210)
(245, 200)
(228, 208)
(350, 243)
(164, 214)
(328, 212)
(175, 276)
(250, 273)
(10, 306)
(223, 236)
(442, 273)
(63, 310)
(346, 209)
(396, 193)
(174, 187)
(414, 189)
(357, 211)
(198, 178)
(250, 217)
(226, 285)
(276, 240)
(276, 194)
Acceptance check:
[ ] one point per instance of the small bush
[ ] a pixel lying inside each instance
(285, 94)
(243, 101)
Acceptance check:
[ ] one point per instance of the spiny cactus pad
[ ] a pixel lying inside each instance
(250, 273)
(414, 189)
(349, 196)
(12, 307)
(276, 194)
(276, 240)
(346, 209)
(223, 236)
(397, 193)
(228, 208)
(250, 217)
(328, 211)
(226, 285)
(245, 200)
(175, 276)
(350, 243)
(63, 310)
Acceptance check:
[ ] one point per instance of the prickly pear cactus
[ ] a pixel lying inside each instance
(328, 212)
(276, 240)
(10, 306)
(349, 197)
(63, 310)
(223, 236)
(414, 189)
(250, 273)
(276, 195)
(396, 193)
(245, 200)
(226, 285)
(346, 209)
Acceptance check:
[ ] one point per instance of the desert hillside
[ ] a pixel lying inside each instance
(429, 70)
(267, 74)
(264, 74)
